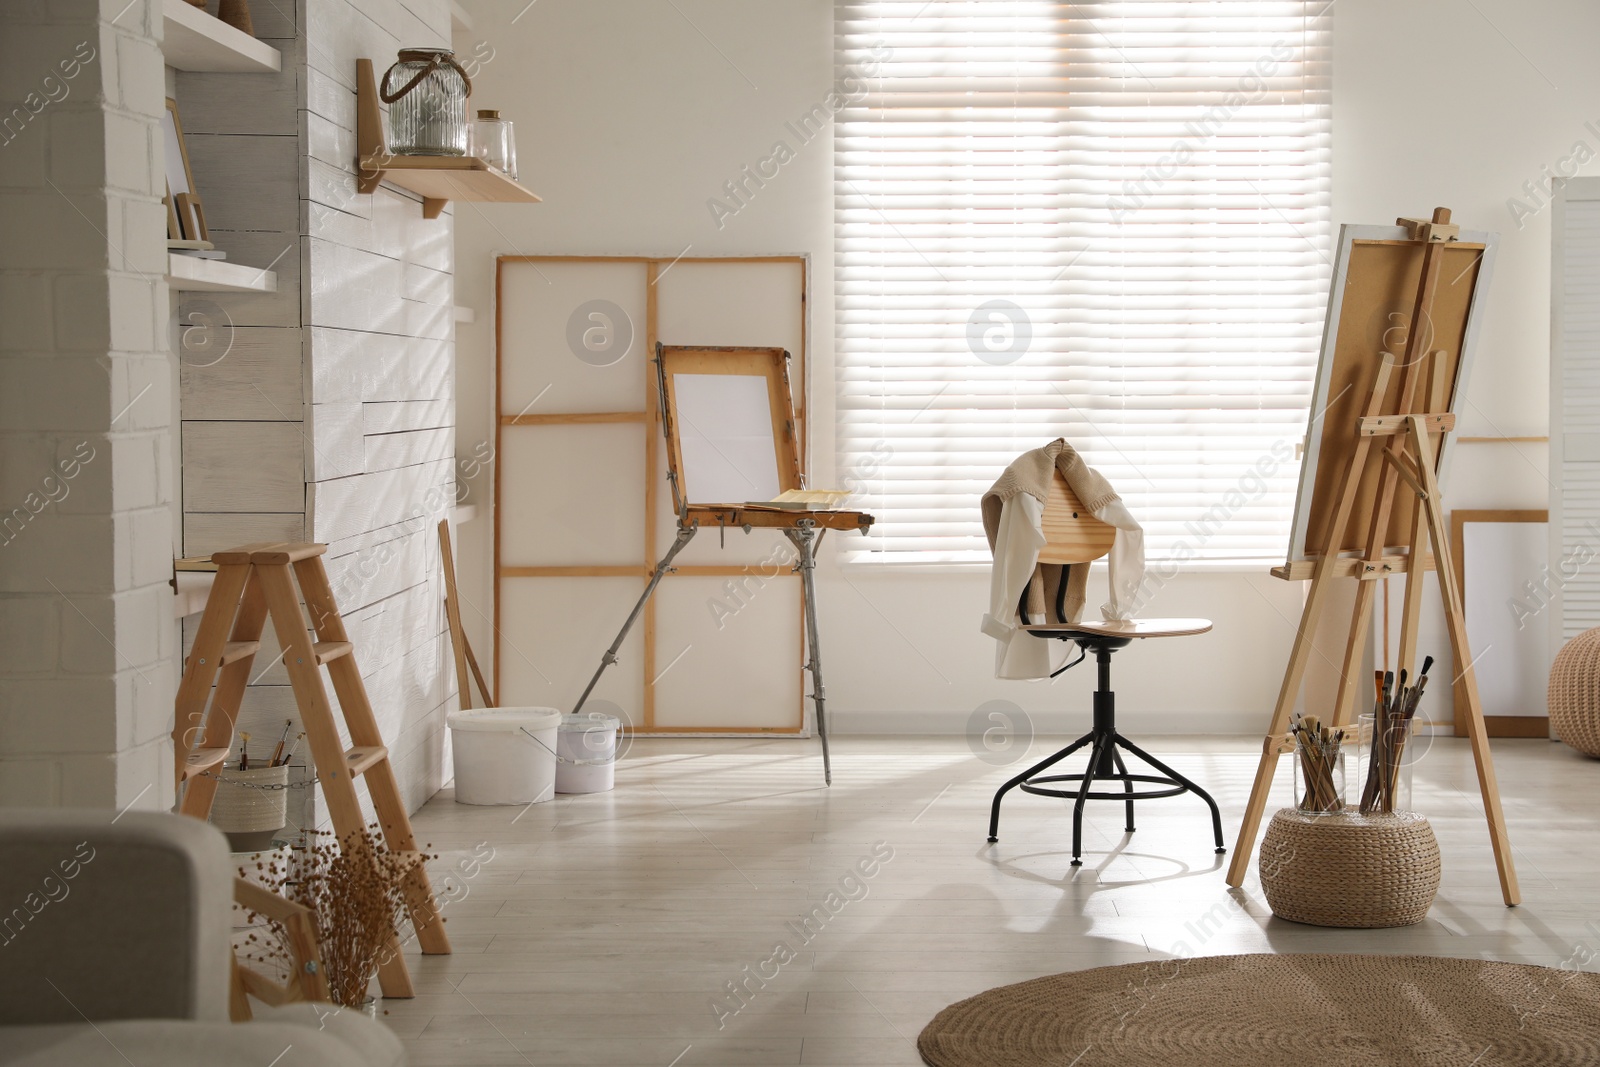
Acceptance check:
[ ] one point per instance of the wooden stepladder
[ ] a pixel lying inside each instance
(253, 582)
(1380, 471)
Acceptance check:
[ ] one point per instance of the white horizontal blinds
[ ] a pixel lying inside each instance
(1105, 222)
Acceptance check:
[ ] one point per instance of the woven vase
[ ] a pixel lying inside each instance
(1574, 694)
(1350, 869)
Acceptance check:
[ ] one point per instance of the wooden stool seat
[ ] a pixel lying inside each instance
(1068, 631)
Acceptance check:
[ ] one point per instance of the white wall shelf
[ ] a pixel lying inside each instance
(192, 274)
(197, 41)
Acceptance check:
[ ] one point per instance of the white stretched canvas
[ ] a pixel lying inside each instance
(724, 425)
(1512, 663)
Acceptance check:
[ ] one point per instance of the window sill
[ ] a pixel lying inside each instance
(1259, 567)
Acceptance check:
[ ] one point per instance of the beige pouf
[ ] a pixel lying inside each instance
(1574, 695)
(1350, 869)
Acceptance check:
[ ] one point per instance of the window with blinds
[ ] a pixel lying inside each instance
(1107, 222)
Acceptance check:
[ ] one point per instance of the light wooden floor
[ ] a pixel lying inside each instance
(605, 927)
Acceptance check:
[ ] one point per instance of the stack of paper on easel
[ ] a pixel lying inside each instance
(806, 499)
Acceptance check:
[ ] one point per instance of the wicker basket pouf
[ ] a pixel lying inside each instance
(1350, 869)
(1574, 695)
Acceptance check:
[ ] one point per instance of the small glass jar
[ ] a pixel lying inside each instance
(427, 92)
(1319, 781)
(494, 141)
(1386, 788)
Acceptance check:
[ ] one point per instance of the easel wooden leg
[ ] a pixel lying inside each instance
(1411, 609)
(1299, 656)
(1456, 621)
(1350, 683)
(1321, 579)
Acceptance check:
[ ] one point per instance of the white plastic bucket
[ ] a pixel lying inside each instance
(586, 752)
(504, 755)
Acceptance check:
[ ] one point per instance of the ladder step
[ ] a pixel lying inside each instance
(237, 650)
(288, 552)
(203, 759)
(362, 757)
(328, 651)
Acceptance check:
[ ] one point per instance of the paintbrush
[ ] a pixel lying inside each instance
(244, 752)
(290, 754)
(278, 752)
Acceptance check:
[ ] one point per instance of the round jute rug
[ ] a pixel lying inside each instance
(1279, 1011)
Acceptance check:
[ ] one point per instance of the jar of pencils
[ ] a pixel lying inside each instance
(1319, 767)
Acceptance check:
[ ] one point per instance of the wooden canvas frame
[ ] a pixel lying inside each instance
(1497, 725)
(1375, 272)
(648, 413)
(771, 364)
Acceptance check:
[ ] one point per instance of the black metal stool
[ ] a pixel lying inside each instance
(1105, 762)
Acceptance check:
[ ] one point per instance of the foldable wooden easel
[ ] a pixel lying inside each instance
(253, 582)
(1358, 503)
(804, 525)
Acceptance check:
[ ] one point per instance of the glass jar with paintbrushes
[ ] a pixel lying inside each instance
(1319, 767)
(1384, 736)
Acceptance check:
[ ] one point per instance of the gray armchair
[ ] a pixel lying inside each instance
(114, 948)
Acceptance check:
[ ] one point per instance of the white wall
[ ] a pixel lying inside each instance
(631, 115)
(1497, 94)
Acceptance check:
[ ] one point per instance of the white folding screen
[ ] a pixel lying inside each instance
(1573, 578)
(584, 508)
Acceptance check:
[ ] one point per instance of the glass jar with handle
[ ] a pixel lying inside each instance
(427, 91)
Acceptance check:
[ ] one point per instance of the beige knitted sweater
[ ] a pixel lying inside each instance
(1031, 473)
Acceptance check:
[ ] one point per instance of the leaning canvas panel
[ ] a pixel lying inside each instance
(582, 496)
(550, 629)
(572, 337)
(572, 495)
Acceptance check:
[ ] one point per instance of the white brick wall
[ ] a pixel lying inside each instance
(88, 666)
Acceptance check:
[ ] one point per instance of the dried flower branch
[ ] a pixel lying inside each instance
(353, 889)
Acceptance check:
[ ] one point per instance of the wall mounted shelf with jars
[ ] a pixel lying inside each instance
(438, 178)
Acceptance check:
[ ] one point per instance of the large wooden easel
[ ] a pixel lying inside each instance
(1360, 505)
(252, 583)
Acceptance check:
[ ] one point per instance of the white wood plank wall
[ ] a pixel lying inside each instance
(332, 415)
